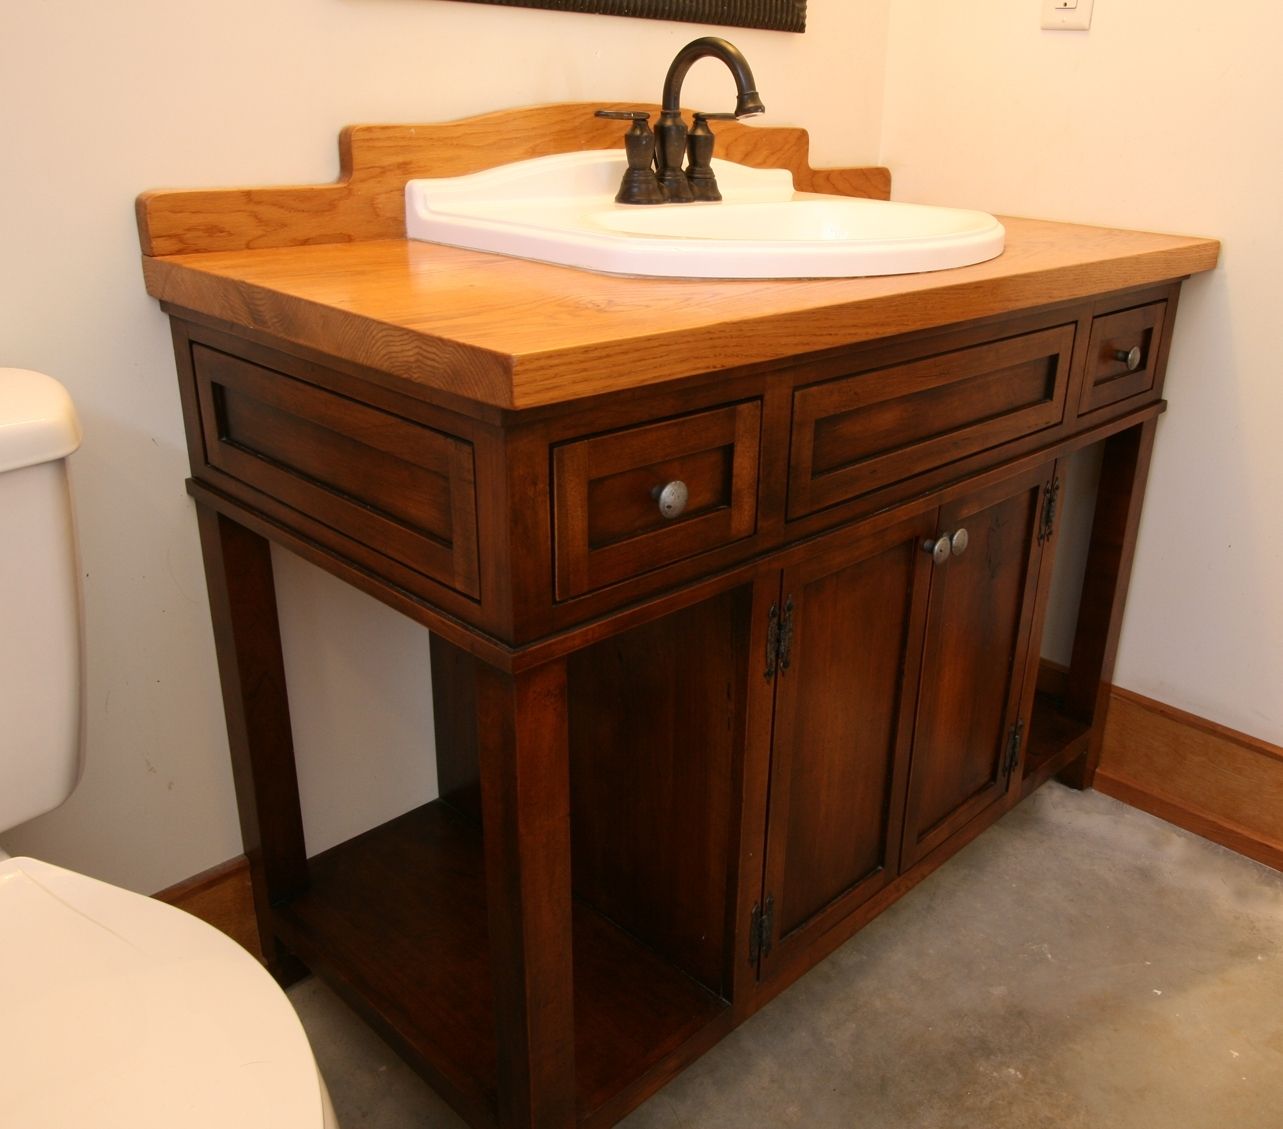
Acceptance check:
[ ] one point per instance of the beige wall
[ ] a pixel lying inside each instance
(99, 101)
(1166, 115)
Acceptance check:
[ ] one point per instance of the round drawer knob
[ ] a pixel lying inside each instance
(672, 498)
(939, 549)
(958, 542)
(1130, 357)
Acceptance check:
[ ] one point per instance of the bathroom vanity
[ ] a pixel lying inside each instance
(735, 589)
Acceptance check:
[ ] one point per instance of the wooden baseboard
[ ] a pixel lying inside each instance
(1219, 783)
(222, 897)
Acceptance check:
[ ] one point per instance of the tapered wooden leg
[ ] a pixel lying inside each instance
(242, 599)
(1124, 469)
(525, 795)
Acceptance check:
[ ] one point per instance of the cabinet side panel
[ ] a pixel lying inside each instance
(656, 730)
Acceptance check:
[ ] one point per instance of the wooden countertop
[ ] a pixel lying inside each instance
(517, 334)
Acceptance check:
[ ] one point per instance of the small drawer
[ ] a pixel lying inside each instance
(1122, 356)
(371, 477)
(860, 432)
(608, 524)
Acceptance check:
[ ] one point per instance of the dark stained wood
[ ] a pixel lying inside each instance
(1109, 380)
(242, 601)
(607, 523)
(972, 673)
(525, 805)
(455, 725)
(397, 920)
(473, 441)
(854, 434)
(375, 477)
(844, 721)
(1124, 470)
(654, 776)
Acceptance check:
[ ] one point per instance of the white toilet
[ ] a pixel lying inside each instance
(115, 1010)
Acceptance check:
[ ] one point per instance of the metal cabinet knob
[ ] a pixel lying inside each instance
(1130, 357)
(672, 498)
(939, 549)
(958, 542)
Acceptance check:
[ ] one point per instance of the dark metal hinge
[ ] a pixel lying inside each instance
(786, 637)
(761, 927)
(1049, 510)
(779, 638)
(772, 650)
(1013, 748)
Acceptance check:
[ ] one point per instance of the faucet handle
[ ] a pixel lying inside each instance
(699, 156)
(639, 185)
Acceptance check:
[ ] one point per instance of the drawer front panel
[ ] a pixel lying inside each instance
(1110, 380)
(857, 433)
(371, 476)
(607, 521)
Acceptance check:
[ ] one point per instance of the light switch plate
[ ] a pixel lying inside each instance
(1066, 15)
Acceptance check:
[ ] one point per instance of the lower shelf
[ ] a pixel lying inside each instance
(395, 920)
(1056, 739)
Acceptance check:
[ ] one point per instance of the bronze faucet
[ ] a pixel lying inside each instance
(668, 183)
(670, 130)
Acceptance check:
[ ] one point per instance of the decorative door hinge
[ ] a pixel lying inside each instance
(1051, 494)
(786, 640)
(779, 638)
(1013, 748)
(761, 927)
(772, 649)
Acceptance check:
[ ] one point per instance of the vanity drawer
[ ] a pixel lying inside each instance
(861, 431)
(362, 473)
(1122, 356)
(607, 520)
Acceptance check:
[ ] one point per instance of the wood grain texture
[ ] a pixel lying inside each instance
(1212, 780)
(326, 267)
(375, 161)
(518, 334)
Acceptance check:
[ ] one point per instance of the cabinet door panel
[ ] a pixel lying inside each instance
(842, 728)
(977, 634)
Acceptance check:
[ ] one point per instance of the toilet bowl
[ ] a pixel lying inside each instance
(115, 1010)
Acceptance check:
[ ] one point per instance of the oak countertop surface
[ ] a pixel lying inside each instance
(517, 334)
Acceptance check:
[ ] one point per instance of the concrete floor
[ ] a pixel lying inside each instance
(1082, 965)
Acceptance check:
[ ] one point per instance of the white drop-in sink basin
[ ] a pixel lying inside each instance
(561, 209)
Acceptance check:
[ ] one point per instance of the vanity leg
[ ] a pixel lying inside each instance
(242, 599)
(1124, 469)
(525, 796)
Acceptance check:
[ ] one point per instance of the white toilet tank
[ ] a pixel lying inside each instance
(40, 753)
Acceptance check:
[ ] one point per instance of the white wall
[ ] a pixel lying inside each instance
(99, 101)
(1166, 116)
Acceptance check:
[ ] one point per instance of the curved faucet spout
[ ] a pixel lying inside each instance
(670, 130)
(747, 101)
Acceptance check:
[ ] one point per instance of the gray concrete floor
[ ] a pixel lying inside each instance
(1082, 965)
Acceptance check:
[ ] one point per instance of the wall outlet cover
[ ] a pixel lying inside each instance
(1066, 15)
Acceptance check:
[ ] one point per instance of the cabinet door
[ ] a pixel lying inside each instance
(978, 631)
(851, 624)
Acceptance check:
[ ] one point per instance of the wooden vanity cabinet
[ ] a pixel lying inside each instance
(746, 728)
(682, 753)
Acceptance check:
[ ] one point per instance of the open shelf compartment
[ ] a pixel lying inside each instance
(395, 920)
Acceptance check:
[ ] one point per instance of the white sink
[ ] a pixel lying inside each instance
(561, 209)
